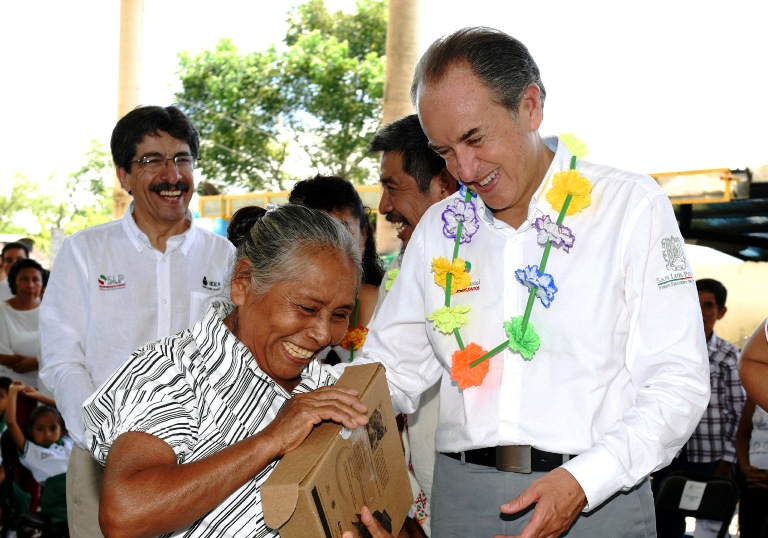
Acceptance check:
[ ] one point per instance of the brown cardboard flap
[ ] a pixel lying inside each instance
(279, 503)
(281, 491)
(358, 375)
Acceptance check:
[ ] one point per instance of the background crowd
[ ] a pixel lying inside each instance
(166, 362)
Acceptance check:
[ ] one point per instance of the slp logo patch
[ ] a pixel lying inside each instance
(674, 257)
(674, 253)
(211, 285)
(111, 282)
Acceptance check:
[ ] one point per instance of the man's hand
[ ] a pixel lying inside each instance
(723, 469)
(559, 501)
(756, 478)
(373, 526)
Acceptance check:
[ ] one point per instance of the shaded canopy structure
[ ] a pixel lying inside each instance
(726, 210)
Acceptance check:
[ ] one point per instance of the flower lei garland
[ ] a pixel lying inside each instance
(355, 336)
(570, 193)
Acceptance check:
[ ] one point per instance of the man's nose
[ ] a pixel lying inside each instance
(466, 165)
(385, 205)
(170, 169)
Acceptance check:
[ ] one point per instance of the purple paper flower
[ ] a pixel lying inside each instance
(543, 283)
(559, 236)
(460, 211)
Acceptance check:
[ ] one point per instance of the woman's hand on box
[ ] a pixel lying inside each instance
(304, 411)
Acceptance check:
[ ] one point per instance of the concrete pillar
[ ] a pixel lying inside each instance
(402, 55)
(129, 78)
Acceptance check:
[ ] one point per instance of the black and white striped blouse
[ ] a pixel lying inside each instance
(199, 391)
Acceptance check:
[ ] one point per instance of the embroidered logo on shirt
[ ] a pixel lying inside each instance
(211, 285)
(473, 286)
(111, 282)
(674, 257)
(674, 254)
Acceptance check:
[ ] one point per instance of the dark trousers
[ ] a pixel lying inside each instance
(753, 513)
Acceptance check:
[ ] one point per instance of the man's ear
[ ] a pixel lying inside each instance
(241, 281)
(122, 175)
(722, 312)
(531, 110)
(446, 184)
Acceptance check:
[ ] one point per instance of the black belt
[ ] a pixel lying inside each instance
(513, 458)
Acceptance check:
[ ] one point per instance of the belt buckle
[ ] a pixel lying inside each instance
(514, 458)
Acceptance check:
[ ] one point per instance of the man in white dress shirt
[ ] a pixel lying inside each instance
(568, 345)
(117, 286)
(413, 178)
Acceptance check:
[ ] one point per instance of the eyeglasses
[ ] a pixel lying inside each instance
(158, 163)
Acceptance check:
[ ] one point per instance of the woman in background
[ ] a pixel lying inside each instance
(338, 197)
(20, 323)
(752, 436)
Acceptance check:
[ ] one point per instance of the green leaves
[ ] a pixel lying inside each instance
(79, 200)
(316, 101)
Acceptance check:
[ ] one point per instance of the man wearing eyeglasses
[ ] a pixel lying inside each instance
(117, 286)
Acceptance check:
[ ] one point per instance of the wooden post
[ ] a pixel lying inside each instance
(129, 79)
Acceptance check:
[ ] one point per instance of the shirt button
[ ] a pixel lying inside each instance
(165, 301)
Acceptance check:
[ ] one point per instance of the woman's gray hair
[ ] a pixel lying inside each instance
(501, 62)
(285, 239)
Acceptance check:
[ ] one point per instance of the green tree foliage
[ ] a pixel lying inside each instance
(15, 199)
(79, 200)
(317, 100)
(234, 100)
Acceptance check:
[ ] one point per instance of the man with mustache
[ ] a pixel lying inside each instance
(117, 286)
(413, 177)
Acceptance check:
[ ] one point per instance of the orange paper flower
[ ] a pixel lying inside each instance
(354, 337)
(462, 373)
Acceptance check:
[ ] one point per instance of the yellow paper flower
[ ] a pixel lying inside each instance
(570, 182)
(354, 337)
(459, 277)
(448, 318)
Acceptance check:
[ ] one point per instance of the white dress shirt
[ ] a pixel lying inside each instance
(621, 376)
(110, 292)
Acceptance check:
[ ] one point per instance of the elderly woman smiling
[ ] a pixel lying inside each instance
(191, 425)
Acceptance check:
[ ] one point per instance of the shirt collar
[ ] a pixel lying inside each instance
(140, 240)
(712, 344)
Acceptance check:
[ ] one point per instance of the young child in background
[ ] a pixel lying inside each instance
(44, 450)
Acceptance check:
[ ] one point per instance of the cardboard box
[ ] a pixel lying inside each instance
(317, 490)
